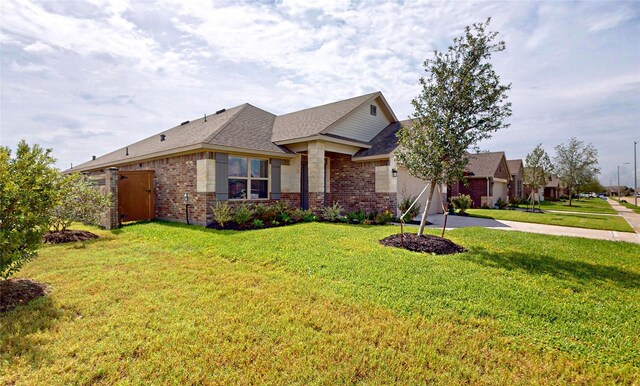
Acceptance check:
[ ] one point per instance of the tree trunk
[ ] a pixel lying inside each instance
(423, 220)
(570, 189)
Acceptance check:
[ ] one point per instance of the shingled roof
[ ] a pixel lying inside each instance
(314, 120)
(243, 127)
(484, 164)
(514, 165)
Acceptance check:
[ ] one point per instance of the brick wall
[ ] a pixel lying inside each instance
(352, 184)
(174, 177)
(476, 188)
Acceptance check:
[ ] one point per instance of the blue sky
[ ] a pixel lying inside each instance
(87, 77)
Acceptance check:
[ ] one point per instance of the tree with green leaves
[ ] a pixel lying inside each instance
(28, 194)
(576, 163)
(80, 201)
(538, 167)
(462, 102)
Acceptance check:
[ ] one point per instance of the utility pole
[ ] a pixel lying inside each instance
(635, 175)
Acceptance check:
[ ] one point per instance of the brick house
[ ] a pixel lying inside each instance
(341, 151)
(487, 176)
(516, 186)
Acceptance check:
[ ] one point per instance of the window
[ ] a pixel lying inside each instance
(374, 110)
(248, 178)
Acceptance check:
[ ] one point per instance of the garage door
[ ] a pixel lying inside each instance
(135, 195)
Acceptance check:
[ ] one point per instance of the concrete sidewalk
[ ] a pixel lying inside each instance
(632, 217)
(461, 221)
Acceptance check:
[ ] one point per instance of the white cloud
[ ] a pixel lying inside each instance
(114, 71)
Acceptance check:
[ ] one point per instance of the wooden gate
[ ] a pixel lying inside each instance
(135, 195)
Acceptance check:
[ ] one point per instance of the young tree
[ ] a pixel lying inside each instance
(462, 102)
(576, 163)
(27, 196)
(79, 201)
(537, 167)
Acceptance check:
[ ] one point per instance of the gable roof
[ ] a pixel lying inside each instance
(385, 142)
(316, 120)
(242, 127)
(484, 164)
(514, 165)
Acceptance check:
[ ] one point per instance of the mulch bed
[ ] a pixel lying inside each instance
(68, 236)
(14, 292)
(424, 243)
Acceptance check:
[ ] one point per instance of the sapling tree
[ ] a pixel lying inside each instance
(80, 201)
(537, 167)
(27, 195)
(462, 102)
(576, 164)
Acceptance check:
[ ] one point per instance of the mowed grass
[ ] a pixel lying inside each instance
(325, 303)
(581, 220)
(631, 206)
(586, 205)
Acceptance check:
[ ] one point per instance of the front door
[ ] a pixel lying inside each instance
(304, 183)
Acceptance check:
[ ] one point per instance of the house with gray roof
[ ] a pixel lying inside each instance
(338, 152)
(487, 178)
(516, 183)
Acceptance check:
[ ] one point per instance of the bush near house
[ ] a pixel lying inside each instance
(257, 216)
(462, 203)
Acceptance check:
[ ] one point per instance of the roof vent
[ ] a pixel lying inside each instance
(126, 150)
(205, 117)
(162, 137)
(184, 123)
(93, 157)
(220, 111)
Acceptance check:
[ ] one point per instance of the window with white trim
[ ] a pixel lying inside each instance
(248, 178)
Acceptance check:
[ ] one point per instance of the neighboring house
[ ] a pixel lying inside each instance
(516, 187)
(487, 176)
(553, 189)
(341, 151)
(624, 190)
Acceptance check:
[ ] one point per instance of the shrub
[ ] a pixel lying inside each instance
(332, 213)
(257, 223)
(372, 215)
(265, 213)
(79, 201)
(405, 203)
(27, 196)
(308, 216)
(222, 212)
(356, 217)
(384, 217)
(283, 218)
(462, 202)
(501, 204)
(515, 202)
(242, 214)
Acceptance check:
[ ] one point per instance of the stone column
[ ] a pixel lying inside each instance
(316, 175)
(110, 220)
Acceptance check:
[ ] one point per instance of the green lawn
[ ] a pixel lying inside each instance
(586, 205)
(321, 303)
(583, 220)
(631, 206)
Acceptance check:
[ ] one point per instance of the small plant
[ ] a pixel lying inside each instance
(222, 213)
(405, 203)
(242, 214)
(462, 203)
(372, 215)
(332, 213)
(367, 222)
(275, 223)
(258, 224)
(297, 215)
(265, 213)
(501, 204)
(356, 217)
(308, 216)
(384, 217)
